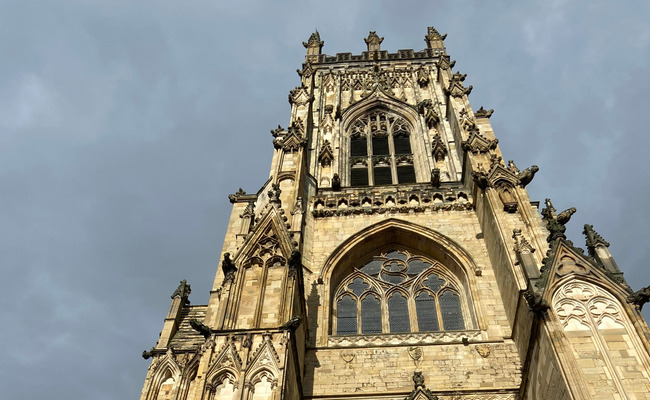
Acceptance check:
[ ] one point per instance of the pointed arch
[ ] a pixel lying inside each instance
(379, 101)
(381, 145)
(166, 368)
(421, 244)
(189, 382)
(597, 328)
(226, 361)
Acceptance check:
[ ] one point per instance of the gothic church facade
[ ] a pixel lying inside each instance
(394, 254)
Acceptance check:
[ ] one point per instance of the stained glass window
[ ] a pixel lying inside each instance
(428, 298)
(398, 314)
(347, 316)
(371, 314)
(378, 138)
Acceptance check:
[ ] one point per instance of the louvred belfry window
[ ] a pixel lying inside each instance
(399, 292)
(380, 150)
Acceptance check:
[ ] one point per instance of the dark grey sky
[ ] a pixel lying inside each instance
(124, 125)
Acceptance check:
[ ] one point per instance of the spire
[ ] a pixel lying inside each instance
(598, 249)
(182, 291)
(593, 238)
(373, 41)
(434, 39)
(314, 44)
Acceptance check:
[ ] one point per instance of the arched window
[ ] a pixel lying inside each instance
(380, 150)
(399, 292)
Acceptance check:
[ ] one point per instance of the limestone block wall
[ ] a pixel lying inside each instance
(388, 368)
(451, 368)
(461, 227)
(546, 380)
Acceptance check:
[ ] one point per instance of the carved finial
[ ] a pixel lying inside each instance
(423, 76)
(235, 197)
(593, 238)
(548, 212)
(521, 244)
(274, 193)
(228, 268)
(456, 88)
(277, 131)
(326, 155)
(313, 44)
(249, 211)
(495, 160)
(182, 291)
(428, 111)
(434, 39)
(438, 149)
(373, 41)
(555, 223)
(418, 379)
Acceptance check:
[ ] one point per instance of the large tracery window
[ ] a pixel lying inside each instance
(398, 292)
(380, 150)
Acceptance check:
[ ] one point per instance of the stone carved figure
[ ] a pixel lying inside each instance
(292, 324)
(555, 223)
(435, 177)
(527, 175)
(274, 193)
(295, 262)
(200, 327)
(228, 268)
(640, 297)
(336, 182)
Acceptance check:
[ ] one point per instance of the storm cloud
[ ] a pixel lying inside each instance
(124, 125)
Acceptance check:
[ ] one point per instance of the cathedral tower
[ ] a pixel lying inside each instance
(393, 253)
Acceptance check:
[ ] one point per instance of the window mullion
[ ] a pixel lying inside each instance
(385, 324)
(371, 179)
(441, 325)
(413, 317)
(391, 150)
(359, 330)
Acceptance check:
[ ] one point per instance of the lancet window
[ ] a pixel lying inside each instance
(380, 150)
(399, 292)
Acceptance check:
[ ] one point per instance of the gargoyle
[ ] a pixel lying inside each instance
(228, 268)
(336, 182)
(481, 179)
(147, 354)
(527, 175)
(640, 297)
(535, 302)
(435, 177)
(200, 327)
(292, 324)
(295, 262)
(565, 215)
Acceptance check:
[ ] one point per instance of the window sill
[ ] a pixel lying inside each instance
(397, 339)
